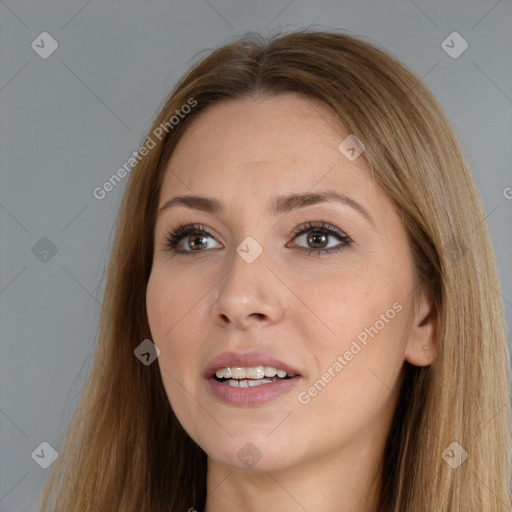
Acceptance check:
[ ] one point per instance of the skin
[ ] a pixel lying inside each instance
(304, 309)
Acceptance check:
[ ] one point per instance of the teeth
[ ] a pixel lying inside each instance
(257, 382)
(270, 372)
(246, 383)
(255, 372)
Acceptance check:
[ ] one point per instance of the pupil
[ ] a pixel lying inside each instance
(193, 242)
(313, 239)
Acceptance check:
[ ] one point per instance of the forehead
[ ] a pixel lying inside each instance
(263, 142)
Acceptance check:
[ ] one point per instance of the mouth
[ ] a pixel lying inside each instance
(239, 377)
(250, 378)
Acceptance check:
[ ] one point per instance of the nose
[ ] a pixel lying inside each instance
(248, 295)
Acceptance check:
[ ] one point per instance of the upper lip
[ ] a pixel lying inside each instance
(246, 360)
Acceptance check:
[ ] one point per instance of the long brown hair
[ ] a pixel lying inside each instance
(125, 449)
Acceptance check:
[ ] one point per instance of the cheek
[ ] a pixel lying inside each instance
(357, 383)
(177, 305)
(364, 322)
(348, 302)
(171, 298)
(169, 315)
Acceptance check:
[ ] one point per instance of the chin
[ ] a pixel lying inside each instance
(249, 458)
(257, 454)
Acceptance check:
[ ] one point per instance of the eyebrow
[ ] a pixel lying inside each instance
(279, 205)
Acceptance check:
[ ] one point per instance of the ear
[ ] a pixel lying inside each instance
(423, 332)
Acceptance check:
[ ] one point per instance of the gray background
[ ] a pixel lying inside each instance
(69, 121)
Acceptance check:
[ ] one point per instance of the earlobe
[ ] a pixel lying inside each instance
(421, 348)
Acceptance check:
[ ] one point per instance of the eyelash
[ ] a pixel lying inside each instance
(173, 238)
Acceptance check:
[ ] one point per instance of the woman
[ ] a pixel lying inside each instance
(302, 308)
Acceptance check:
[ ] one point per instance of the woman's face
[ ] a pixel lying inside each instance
(284, 277)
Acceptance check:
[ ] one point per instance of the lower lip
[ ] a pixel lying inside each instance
(254, 395)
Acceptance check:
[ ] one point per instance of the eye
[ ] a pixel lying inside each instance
(317, 234)
(193, 236)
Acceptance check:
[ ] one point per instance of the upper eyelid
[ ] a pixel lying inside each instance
(319, 224)
(299, 229)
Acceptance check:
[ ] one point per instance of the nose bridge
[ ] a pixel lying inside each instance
(248, 290)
